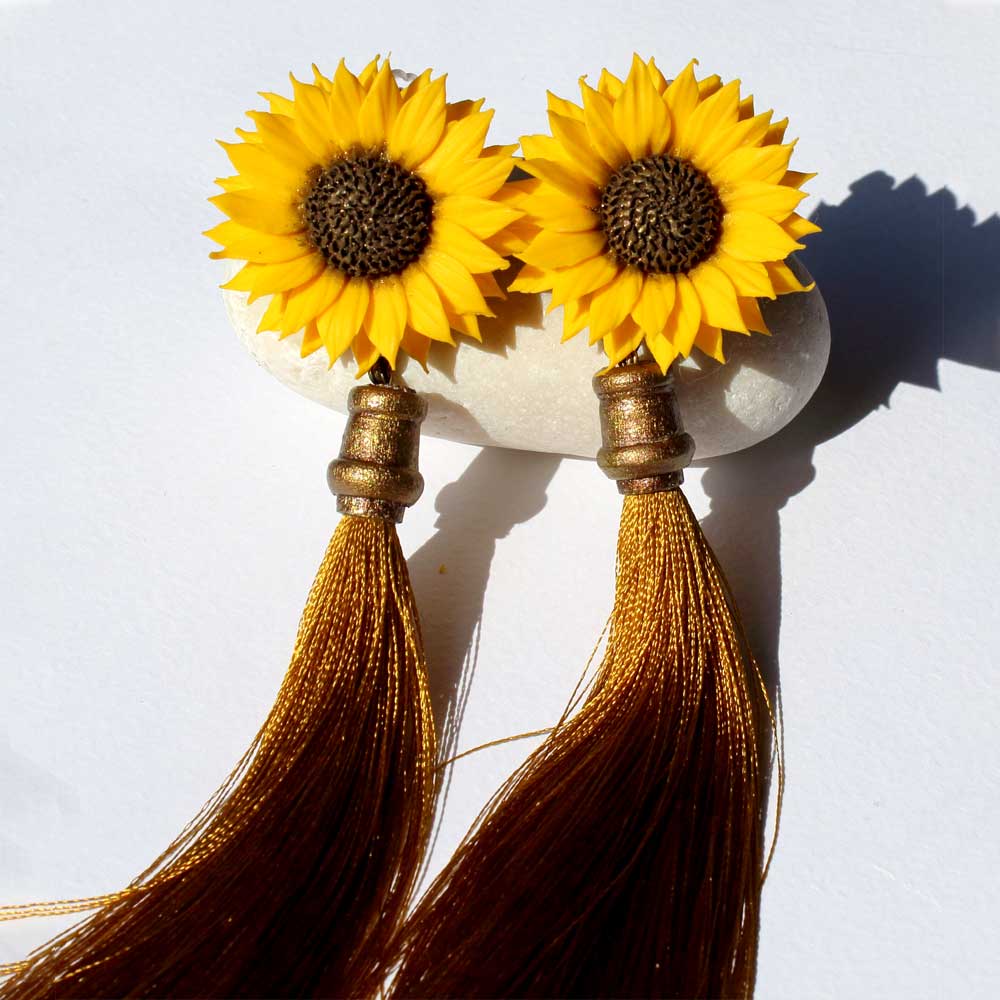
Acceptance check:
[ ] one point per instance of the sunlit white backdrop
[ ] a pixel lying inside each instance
(164, 507)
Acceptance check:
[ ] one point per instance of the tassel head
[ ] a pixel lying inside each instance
(645, 449)
(376, 474)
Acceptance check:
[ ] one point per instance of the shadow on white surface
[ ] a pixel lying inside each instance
(910, 279)
(499, 490)
(450, 571)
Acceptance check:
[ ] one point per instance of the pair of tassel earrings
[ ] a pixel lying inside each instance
(625, 858)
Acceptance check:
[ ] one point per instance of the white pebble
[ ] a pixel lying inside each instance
(524, 389)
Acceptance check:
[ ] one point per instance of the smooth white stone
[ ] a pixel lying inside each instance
(522, 388)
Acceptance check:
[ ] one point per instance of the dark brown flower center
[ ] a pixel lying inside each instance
(368, 216)
(661, 215)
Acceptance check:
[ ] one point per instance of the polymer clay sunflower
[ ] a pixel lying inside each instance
(372, 214)
(663, 211)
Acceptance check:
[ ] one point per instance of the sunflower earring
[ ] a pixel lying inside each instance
(625, 858)
(371, 217)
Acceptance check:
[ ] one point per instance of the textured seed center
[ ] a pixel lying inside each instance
(368, 216)
(661, 215)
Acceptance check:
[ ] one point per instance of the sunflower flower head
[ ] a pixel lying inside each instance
(372, 214)
(662, 212)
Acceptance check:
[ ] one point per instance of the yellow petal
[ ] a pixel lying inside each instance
(598, 114)
(709, 339)
(752, 318)
(544, 147)
(663, 351)
(555, 210)
(459, 293)
(419, 125)
(776, 133)
(365, 354)
(278, 136)
(256, 212)
(654, 305)
(532, 280)
(481, 216)
(514, 238)
(609, 85)
(576, 314)
(682, 97)
(718, 298)
(426, 313)
(682, 326)
(416, 346)
(470, 251)
(233, 183)
(417, 84)
(480, 178)
(748, 277)
(321, 81)
(659, 80)
(457, 110)
(572, 135)
(752, 163)
(463, 141)
(563, 107)
(265, 279)
(710, 85)
(621, 342)
(469, 325)
(344, 101)
(367, 75)
(748, 236)
(246, 136)
(515, 192)
(386, 317)
(271, 320)
(341, 322)
(279, 105)
(640, 116)
(795, 178)
(565, 179)
(253, 162)
(241, 243)
(311, 341)
(379, 109)
(717, 146)
(489, 285)
(713, 114)
(772, 200)
(784, 281)
(306, 303)
(797, 227)
(556, 250)
(312, 119)
(612, 305)
(573, 282)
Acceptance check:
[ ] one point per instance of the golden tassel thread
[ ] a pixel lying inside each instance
(624, 858)
(315, 839)
(56, 908)
(83, 904)
(59, 907)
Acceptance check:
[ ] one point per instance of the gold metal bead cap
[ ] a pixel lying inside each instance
(376, 474)
(644, 448)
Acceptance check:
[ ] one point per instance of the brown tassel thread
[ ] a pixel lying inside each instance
(624, 858)
(294, 874)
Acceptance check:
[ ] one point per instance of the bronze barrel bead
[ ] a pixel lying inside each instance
(644, 448)
(376, 474)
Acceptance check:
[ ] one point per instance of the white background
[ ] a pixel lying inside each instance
(164, 507)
